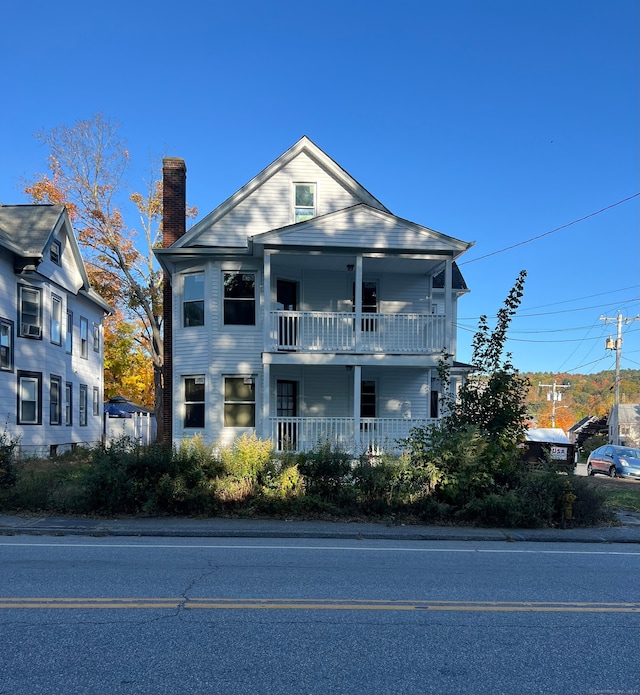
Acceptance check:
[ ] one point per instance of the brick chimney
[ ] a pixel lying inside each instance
(174, 225)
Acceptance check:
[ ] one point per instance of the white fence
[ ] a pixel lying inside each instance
(139, 427)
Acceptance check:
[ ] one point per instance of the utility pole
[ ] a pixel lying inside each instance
(555, 396)
(616, 345)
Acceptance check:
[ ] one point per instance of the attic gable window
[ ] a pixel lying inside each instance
(305, 201)
(55, 252)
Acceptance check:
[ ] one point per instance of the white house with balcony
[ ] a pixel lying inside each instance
(51, 334)
(302, 310)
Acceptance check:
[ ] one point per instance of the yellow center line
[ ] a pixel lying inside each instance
(57, 603)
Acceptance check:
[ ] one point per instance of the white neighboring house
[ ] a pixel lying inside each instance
(302, 310)
(51, 333)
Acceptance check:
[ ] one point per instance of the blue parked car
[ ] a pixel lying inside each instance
(614, 461)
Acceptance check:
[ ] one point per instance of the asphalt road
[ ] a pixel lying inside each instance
(317, 616)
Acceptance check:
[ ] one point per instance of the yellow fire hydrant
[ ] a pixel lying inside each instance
(569, 499)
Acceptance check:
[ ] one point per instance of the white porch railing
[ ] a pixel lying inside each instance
(326, 331)
(375, 434)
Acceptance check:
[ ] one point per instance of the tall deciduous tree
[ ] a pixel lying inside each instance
(87, 167)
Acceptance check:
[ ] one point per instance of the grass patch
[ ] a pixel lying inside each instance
(624, 498)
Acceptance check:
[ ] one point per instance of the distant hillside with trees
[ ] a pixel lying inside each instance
(588, 394)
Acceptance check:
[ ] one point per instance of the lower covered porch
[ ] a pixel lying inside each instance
(357, 408)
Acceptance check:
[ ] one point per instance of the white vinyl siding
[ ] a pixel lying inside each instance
(264, 209)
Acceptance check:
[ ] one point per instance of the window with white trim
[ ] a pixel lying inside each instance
(30, 303)
(194, 401)
(305, 201)
(29, 398)
(6, 345)
(193, 300)
(239, 401)
(239, 299)
(96, 337)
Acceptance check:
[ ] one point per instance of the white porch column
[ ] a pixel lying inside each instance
(266, 380)
(448, 304)
(357, 390)
(358, 306)
(266, 300)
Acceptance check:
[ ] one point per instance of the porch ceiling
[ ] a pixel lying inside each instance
(370, 266)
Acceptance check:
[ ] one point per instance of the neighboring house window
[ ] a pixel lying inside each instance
(96, 400)
(193, 300)
(56, 320)
(84, 337)
(55, 405)
(30, 299)
(96, 337)
(68, 403)
(240, 299)
(56, 251)
(194, 401)
(6, 345)
(305, 201)
(83, 405)
(239, 402)
(68, 345)
(29, 398)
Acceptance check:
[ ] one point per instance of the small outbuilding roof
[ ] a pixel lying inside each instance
(119, 406)
(547, 435)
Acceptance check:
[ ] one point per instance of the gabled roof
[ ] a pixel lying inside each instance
(27, 230)
(376, 229)
(304, 145)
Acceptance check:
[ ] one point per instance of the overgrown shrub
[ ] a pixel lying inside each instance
(8, 460)
(327, 470)
(125, 476)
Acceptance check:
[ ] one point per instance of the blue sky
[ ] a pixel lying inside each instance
(494, 121)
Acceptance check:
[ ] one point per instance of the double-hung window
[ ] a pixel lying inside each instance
(239, 402)
(55, 400)
(29, 398)
(84, 337)
(194, 401)
(56, 320)
(55, 253)
(305, 201)
(68, 403)
(240, 299)
(83, 406)
(6, 345)
(30, 302)
(96, 337)
(68, 338)
(193, 300)
(96, 400)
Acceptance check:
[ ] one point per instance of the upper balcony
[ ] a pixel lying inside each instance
(341, 332)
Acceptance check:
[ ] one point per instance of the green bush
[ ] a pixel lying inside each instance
(8, 460)
(327, 472)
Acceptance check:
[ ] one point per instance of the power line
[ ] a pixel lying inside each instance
(552, 231)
